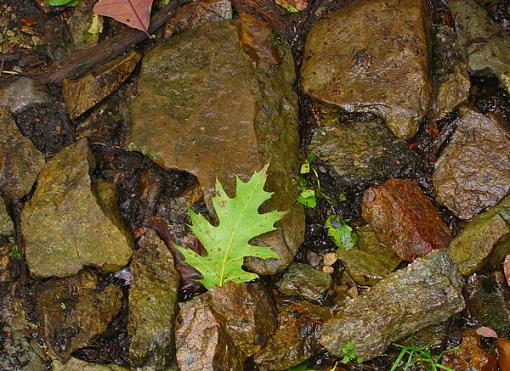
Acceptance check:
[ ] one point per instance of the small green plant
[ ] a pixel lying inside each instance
(63, 305)
(412, 355)
(15, 252)
(143, 150)
(350, 354)
(310, 193)
(292, 9)
(62, 2)
(341, 232)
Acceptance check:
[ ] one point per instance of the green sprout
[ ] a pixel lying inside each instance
(350, 354)
(309, 194)
(15, 252)
(422, 355)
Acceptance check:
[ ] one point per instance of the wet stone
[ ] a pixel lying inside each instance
(23, 94)
(472, 247)
(83, 94)
(240, 115)
(64, 225)
(80, 23)
(297, 336)
(473, 171)
(152, 304)
(20, 161)
(371, 56)
(488, 302)
(471, 355)
(404, 219)
(6, 225)
(75, 309)
(369, 261)
(305, 281)
(75, 364)
(361, 153)
(425, 293)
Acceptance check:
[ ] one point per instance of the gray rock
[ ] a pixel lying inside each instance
(23, 94)
(64, 225)
(361, 153)
(305, 281)
(75, 364)
(20, 161)
(486, 47)
(471, 248)
(6, 225)
(152, 304)
(371, 56)
(473, 171)
(425, 293)
(208, 107)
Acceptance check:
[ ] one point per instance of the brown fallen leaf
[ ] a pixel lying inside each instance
(486, 332)
(134, 13)
(503, 354)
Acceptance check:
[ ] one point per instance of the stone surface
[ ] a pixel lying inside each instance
(204, 106)
(20, 161)
(372, 56)
(425, 293)
(198, 12)
(361, 153)
(222, 327)
(297, 337)
(305, 281)
(75, 364)
(471, 355)
(23, 94)
(80, 22)
(473, 171)
(471, 248)
(404, 219)
(83, 94)
(488, 302)
(451, 92)
(152, 304)
(63, 224)
(370, 261)
(6, 225)
(485, 46)
(73, 310)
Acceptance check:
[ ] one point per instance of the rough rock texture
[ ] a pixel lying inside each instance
(473, 171)
(80, 22)
(20, 161)
(471, 248)
(152, 304)
(75, 309)
(305, 281)
(427, 292)
(372, 55)
(485, 46)
(370, 261)
(488, 302)
(75, 364)
(6, 225)
(206, 106)
(23, 94)
(361, 153)
(451, 92)
(221, 328)
(471, 355)
(297, 337)
(404, 219)
(63, 224)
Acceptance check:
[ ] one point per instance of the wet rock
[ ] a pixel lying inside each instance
(432, 336)
(64, 225)
(83, 94)
(488, 302)
(6, 225)
(222, 327)
(486, 48)
(204, 106)
(451, 92)
(152, 304)
(305, 281)
(361, 153)
(427, 292)
(75, 309)
(371, 56)
(472, 172)
(20, 161)
(12, 36)
(471, 248)
(75, 364)
(23, 94)
(471, 355)
(370, 261)
(198, 12)
(80, 23)
(297, 337)
(404, 219)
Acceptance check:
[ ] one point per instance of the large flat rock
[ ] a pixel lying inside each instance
(65, 226)
(372, 56)
(208, 107)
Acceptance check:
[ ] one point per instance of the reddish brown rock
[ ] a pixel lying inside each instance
(470, 355)
(506, 268)
(404, 218)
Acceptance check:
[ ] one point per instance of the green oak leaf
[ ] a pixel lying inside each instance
(228, 243)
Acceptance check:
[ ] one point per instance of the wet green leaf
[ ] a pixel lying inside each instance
(341, 232)
(308, 198)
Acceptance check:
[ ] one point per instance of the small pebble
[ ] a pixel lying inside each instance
(330, 258)
(328, 269)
